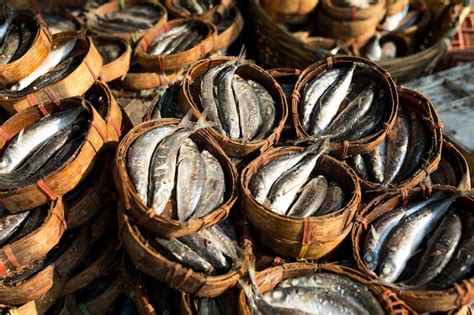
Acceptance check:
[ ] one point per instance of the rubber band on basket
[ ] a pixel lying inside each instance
(5, 135)
(354, 13)
(345, 149)
(31, 100)
(91, 71)
(145, 44)
(306, 240)
(159, 62)
(3, 269)
(11, 257)
(50, 94)
(46, 190)
(166, 27)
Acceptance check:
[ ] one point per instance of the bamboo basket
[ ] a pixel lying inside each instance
(48, 281)
(74, 84)
(136, 81)
(91, 194)
(147, 259)
(450, 154)
(279, 48)
(162, 225)
(77, 21)
(188, 95)
(301, 238)
(20, 254)
(413, 101)
(117, 68)
(417, 32)
(104, 222)
(269, 278)
(421, 301)
(352, 13)
(206, 16)
(229, 35)
(15, 71)
(65, 178)
(395, 6)
(288, 74)
(380, 76)
(289, 7)
(101, 97)
(149, 112)
(95, 269)
(359, 30)
(178, 60)
(115, 6)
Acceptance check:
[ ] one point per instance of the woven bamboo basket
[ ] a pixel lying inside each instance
(279, 48)
(358, 30)
(269, 278)
(230, 34)
(93, 270)
(101, 97)
(153, 103)
(188, 100)
(115, 6)
(65, 178)
(150, 261)
(136, 81)
(162, 225)
(104, 222)
(74, 84)
(378, 75)
(309, 238)
(34, 56)
(417, 32)
(450, 154)
(21, 253)
(76, 20)
(179, 60)
(289, 7)
(421, 301)
(352, 12)
(286, 75)
(206, 16)
(395, 6)
(117, 68)
(413, 101)
(91, 195)
(51, 278)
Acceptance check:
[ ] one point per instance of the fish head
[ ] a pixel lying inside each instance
(389, 271)
(4, 162)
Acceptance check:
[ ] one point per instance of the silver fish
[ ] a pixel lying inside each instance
(329, 103)
(353, 290)
(159, 44)
(228, 112)
(261, 182)
(139, 158)
(377, 160)
(397, 146)
(10, 223)
(190, 179)
(391, 22)
(249, 108)
(10, 44)
(221, 241)
(439, 251)
(360, 167)
(184, 254)
(407, 237)
(31, 138)
(311, 198)
(314, 90)
(58, 54)
(214, 186)
(267, 109)
(334, 200)
(206, 249)
(285, 188)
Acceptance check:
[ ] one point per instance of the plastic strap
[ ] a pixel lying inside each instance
(11, 257)
(353, 13)
(145, 44)
(404, 195)
(47, 90)
(4, 135)
(166, 27)
(93, 74)
(345, 149)
(46, 190)
(306, 240)
(31, 100)
(365, 223)
(3, 269)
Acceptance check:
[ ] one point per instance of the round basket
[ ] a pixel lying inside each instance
(269, 278)
(206, 16)
(65, 178)
(309, 238)
(452, 160)
(225, 38)
(287, 7)
(421, 301)
(378, 75)
(21, 253)
(353, 13)
(115, 6)
(414, 102)
(188, 100)
(101, 97)
(179, 60)
(74, 84)
(15, 71)
(116, 68)
(165, 226)
(136, 81)
(177, 276)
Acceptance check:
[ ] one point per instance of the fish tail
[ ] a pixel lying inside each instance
(320, 147)
(251, 294)
(203, 122)
(464, 184)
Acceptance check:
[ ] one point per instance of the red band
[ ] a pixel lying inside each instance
(4, 135)
(93, 74)
(3, 270)
(307, 229)
(31, 100)
(43, 109)
(353, 13)
(166, 27)
(11, 257)
(46, 190)
(145, 44)
(52, 96)
(99, 131)
(345, 148)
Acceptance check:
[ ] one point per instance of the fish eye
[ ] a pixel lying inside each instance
(387, 269)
